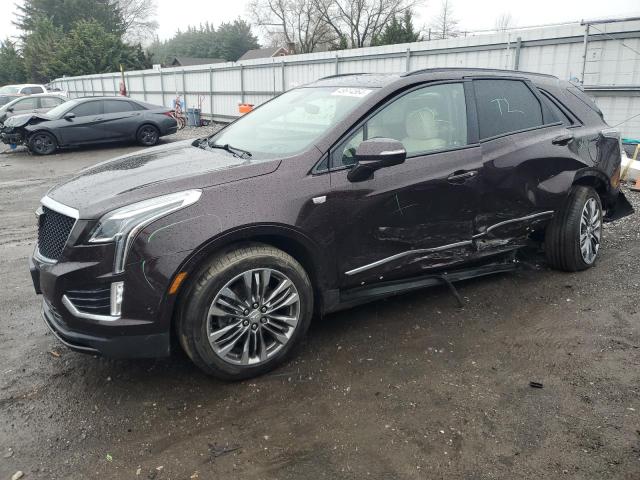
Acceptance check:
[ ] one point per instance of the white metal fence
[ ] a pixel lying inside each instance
(604, 56)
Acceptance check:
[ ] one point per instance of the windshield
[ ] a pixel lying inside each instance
(291, 122)
(61, 109)
(10, 89)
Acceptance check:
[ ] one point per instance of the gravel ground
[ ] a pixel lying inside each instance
(408, 388)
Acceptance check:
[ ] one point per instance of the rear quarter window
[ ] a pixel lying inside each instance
(584, 98)
(506, 106)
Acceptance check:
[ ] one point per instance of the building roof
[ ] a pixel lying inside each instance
(264, 53)
(189, 61)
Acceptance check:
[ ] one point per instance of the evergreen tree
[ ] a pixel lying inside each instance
(11, 64)
(399, 30)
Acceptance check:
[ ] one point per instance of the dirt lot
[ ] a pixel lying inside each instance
(408, 388)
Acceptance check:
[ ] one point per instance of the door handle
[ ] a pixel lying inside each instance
(563, 139)
(460, 176)
(97, 119)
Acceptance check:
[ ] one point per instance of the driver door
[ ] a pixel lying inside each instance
(416, 217)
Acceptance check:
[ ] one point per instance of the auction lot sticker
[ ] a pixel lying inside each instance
(351, 92)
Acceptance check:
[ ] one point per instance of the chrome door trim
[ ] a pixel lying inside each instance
(441, 248)
(408, 252)
(513, 220)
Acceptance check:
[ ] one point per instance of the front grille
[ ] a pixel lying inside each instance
(53, 232)
(96, 301)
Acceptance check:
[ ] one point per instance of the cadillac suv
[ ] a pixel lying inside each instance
(348, 189)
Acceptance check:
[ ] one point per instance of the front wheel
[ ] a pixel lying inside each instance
(42, 143)
(573, 237)
(245, 312)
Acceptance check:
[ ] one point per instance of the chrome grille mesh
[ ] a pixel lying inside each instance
(53, 232)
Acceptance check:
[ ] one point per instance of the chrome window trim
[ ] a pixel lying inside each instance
(87, 316)
(441, 248)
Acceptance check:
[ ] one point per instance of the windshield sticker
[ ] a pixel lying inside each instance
(351, 92)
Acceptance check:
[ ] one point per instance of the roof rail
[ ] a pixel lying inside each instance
(348, 75)
(474, 69)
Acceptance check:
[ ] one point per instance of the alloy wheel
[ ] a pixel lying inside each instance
(149, 135)
(42, 143)
(253, 316)
(590, 231)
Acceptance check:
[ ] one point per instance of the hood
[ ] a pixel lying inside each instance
(22, 119)
(153, 172)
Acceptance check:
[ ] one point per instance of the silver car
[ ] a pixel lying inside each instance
(40, 103)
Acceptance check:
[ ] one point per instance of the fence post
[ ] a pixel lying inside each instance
(337, 65)
(115, 86)
(283, 82)
(211, 90)
(516, 62)
(102, 92)
(162, 86)
(184, 90)
(241, 83)
(144, 88)
(584, 54)
(408, 60)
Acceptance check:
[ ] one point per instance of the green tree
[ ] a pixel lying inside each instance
(11, 64)
(230, 41)
(40, 50)
(234, 39)
(64, 14)
(89, 49)
(399, 30)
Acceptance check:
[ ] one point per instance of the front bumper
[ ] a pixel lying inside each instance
(133, 346)
(141, 332)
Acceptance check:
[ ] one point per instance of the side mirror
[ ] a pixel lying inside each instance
(69, 116)
(10, 109)
(374, 154)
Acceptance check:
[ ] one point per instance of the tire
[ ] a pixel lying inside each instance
(42, 143)
(573, 238)
(148, 135)
(245, 341)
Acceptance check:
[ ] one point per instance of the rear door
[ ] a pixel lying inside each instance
(85, 126)
(526, 151)
(120, 119)
(47, 103)
(24, 105)
(415, 217)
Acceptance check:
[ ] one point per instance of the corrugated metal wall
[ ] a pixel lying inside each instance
(611, 70)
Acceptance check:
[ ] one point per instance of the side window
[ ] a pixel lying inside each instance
(424, 120)
(26, 104)
(87, 109)
(117, 106)
(505, 106)
(557, 112)
(50, 102)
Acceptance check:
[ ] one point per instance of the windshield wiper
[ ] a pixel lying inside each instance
(236, 152)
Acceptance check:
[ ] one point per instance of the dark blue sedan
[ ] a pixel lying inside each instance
(90, 120)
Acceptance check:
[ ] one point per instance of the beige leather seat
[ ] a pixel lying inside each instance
(422, 132)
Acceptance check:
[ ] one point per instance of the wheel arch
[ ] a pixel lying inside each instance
(598, 181)
(37, 129)
(298, 245)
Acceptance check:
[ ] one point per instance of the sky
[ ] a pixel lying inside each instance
(472, 14)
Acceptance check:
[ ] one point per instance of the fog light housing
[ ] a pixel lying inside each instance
(117, 292)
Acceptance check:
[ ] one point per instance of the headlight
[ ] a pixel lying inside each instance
(122, 225)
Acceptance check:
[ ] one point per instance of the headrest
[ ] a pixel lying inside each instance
(421, 124)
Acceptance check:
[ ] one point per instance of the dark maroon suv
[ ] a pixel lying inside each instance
(345, 190)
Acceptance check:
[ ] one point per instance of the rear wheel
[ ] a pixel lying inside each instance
(148, 135)
(573, 238)
(246, 312)
(42, 143)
